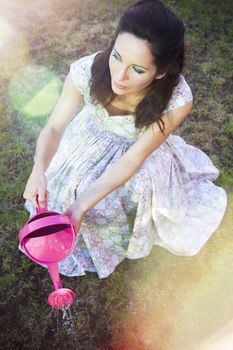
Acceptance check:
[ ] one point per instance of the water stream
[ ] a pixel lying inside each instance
(68, 321)
(64, 318)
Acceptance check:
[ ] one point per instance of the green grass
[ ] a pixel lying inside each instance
(70, 31)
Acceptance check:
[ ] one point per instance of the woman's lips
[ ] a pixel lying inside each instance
(118, 86)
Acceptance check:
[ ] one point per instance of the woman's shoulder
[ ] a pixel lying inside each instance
(80, 71)
(83, 64)
(181, 95)
(182, 88)
(84, 61)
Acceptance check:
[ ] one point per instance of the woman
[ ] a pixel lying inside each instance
(116, 168)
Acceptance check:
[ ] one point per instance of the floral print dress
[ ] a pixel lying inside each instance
(170, 201)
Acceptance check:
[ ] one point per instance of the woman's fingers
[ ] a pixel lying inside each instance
(76, 214)
(33, 200)
(36, 186)
(30, 197)
(41, 197)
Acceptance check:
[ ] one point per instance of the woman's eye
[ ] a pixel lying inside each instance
(114, 55)
(139, 71)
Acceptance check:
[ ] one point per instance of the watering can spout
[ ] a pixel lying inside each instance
(53, 271)
(60, 297)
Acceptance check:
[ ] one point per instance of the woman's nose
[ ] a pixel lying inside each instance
(122, 75)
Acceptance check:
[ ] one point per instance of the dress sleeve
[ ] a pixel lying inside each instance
(80, 72)
(181, 95)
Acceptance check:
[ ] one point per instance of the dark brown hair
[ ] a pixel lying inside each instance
(149, 20)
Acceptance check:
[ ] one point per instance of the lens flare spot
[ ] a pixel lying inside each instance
(34, 91)
(5, 32)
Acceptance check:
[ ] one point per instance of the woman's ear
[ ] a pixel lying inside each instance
(160, 76)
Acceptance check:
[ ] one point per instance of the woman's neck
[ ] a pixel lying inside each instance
(129, 103)
(131, 100)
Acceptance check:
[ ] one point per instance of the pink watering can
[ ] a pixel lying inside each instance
(48, 237)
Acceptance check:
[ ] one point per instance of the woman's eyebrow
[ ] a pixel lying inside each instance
(133, 64)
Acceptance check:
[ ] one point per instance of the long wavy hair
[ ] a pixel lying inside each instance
(149, 20)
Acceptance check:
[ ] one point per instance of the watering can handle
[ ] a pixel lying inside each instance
(38, 207)
(44, 222)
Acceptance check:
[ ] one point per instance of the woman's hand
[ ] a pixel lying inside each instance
(76, 213)
(36, 185)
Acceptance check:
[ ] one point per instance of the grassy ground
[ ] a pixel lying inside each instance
(111, 313)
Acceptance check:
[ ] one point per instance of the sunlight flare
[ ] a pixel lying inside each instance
(5, 32)
(34, 90)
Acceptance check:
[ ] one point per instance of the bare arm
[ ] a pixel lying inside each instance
(123, 169)
(50, 136)
(48, 141)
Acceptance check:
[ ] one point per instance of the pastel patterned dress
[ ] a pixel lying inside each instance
(170, 201)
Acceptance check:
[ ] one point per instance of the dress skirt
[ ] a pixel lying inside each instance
(170, 201)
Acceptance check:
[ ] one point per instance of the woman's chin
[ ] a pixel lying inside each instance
(118, 91)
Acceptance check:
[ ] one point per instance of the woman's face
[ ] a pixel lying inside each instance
(131, 65)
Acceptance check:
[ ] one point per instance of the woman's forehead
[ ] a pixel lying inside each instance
(134, 50)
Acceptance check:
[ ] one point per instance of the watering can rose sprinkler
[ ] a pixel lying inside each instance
(48, 237)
